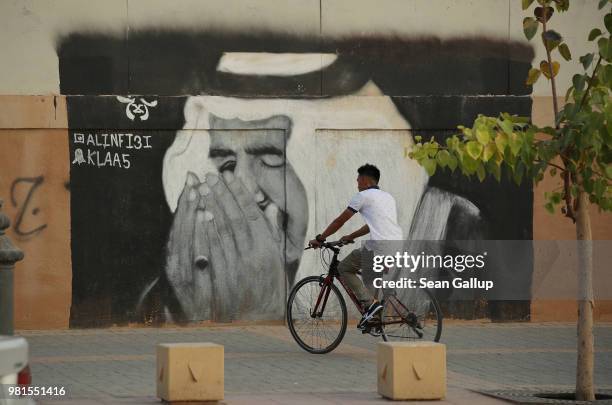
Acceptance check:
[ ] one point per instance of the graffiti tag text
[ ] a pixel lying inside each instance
(24, 206)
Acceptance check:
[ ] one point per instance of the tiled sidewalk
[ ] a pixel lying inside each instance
(264, 365)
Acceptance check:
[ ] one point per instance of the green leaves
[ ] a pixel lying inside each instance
(445, 159)
(474, 149)
(530, 27)
(552, 199)
(469, 165)
(562, 5)
(565, 52)
(482, 135)
(516, 141)
(602, 4)
(599, 189)
(595, 32)
(489, 151)
(501, 141)
(556, 198)
(518, 173)
(543, 14)
(608, 22)
(442, 158)
(506, 126)
(491, 143)
(481, 173)
(494, 169)
(515, 119)
(533, 76)
(586, 60)
(526, 4)
(552, 36)
(605, 77)
(429, 165)
(579, 82)
(605, 48)
(547, 70)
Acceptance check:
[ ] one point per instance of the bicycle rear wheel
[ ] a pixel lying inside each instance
(319, 332)
(412, 316)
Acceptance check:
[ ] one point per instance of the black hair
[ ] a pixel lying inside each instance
(369, 171)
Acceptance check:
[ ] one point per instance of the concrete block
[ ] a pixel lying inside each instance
(411, 370)
(190, 372)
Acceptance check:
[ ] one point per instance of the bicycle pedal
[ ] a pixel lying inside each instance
(376, 332)
(365, 328)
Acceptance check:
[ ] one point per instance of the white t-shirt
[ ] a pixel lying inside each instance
(379, 212)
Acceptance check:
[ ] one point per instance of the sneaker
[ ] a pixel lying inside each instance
(370, 313)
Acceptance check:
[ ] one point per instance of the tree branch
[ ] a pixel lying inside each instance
(551, 71)
(586, 92)
(570, 207)
(553, 165)
(567, 196)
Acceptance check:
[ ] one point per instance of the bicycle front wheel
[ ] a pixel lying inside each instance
(316, 315)
(412, 316)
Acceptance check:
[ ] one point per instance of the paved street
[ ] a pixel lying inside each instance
(264, 365)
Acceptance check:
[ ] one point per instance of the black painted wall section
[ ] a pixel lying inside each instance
(118, 218)
(184, 62)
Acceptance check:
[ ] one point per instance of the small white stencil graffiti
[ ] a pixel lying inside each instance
(78, 157)
(135, 109)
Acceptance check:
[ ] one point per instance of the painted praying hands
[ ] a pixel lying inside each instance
(220, 247)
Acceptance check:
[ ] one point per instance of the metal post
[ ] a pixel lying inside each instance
(9, 254)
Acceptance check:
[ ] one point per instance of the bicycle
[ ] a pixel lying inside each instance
(312, 304)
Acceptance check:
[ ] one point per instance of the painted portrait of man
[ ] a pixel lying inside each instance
(265, 152)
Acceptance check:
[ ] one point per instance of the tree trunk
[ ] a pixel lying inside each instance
(584, 368)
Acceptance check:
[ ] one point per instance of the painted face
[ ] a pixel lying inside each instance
(254, 151)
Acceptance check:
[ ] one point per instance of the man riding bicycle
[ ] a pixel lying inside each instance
(379, 212)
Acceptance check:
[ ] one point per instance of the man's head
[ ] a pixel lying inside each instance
(368, 176)
(255, 152)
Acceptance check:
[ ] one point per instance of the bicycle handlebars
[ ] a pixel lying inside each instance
(330, 245)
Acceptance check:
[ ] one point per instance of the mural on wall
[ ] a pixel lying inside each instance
(195, 203)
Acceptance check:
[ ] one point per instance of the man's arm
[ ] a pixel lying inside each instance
(337, 223)
(364, 230)
(332, 228)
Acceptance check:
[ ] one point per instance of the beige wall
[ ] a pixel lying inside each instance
(34, 143)
(556, 226)
(548, 226)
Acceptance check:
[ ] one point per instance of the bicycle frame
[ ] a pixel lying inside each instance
(326, 284)
(326, 288)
